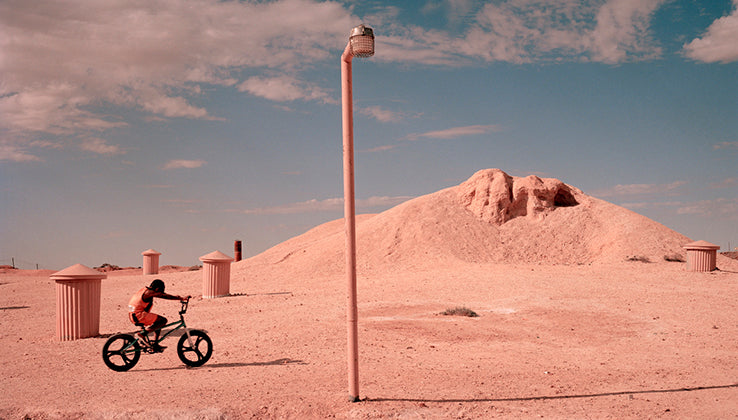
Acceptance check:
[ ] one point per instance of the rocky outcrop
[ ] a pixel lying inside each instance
(496, 197)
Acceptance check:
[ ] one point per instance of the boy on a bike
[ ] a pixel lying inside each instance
(140, 311)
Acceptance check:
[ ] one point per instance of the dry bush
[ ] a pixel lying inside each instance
(460, 311)
(639, 258)
(673, 258)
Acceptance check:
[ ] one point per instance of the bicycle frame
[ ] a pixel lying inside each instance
(177, 325)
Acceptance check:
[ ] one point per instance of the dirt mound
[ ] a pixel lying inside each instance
(492, 217)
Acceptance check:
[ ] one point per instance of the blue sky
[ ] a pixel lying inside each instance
(183, 125)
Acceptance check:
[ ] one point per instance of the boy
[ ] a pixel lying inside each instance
(140, 311)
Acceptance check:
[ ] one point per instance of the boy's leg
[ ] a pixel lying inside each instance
(140, 321)
(156, 327)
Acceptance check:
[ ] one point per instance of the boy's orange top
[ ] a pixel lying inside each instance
(138, 304)
(140, 309)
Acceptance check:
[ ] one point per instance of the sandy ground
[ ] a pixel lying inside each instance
(568, 327)
(628, 340)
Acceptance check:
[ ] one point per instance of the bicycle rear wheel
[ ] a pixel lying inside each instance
(121, 352)
(196, 349)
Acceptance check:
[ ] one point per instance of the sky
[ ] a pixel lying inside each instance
(184, 125)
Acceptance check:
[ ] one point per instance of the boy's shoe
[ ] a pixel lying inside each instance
(157, 348)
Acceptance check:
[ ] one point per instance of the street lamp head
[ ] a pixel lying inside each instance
(362, 41)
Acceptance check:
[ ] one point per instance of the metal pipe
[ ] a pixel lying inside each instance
(349, 211)
(361, 44)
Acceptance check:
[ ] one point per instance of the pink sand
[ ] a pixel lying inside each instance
(568, 327)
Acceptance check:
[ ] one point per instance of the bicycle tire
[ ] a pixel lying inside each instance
(117, 353)
(199, 352)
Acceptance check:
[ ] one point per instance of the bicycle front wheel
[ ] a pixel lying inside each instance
(121, 352)
(194, 348)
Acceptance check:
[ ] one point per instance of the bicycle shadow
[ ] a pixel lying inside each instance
(277, 362)
(553, 397)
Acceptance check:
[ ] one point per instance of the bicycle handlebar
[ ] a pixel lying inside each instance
(184, 305)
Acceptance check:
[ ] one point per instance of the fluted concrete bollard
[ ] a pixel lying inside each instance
(150, 261)
(701, 256)
(216, 274)
(77, 302)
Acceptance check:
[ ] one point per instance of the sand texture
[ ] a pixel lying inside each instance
(572, 323)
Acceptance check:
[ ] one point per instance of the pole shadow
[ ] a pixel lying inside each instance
(6, 308)
(277, 362)
(259, 294)
(554, 397)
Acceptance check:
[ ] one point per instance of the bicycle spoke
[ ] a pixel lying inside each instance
(198, 343)
(195, 349)
(121, 353)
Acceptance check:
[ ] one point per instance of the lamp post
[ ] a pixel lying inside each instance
(361, 44)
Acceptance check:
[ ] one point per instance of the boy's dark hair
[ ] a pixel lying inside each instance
(157, 285)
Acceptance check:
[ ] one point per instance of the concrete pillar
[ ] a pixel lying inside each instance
(216, 274)
(150, 261)
(701, 256)
(77, 302)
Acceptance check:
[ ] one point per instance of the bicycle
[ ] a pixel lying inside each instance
(122, 351)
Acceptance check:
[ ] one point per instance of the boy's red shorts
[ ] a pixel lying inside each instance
(145, 318)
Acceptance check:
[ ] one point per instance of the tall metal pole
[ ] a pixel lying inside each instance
(349, 211)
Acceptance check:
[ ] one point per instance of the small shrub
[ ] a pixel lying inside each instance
(460, 311)
(673, 258)
(639, 258)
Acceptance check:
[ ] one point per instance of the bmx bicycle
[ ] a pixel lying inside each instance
(122, 351)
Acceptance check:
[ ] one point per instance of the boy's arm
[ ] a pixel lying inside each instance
(167, 296)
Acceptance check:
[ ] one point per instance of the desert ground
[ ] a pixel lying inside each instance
(570, 325)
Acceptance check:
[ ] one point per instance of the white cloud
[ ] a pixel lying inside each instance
(723, 208)
(720, 207)
(13, 153)
(101, 147)
(327, 205)
(381, 148)
(726, 145)
(641, 189)
(408, 44)
(58, 59)
(452, 133)
(646, 205)
(622, 31)
(186, 164)
(169, 106)
(725, 183)
(284, 88)
(523, 31)
(381, 114)
(719, 43)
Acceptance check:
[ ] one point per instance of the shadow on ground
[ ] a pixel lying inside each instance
(277, 362)
(554, 397)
